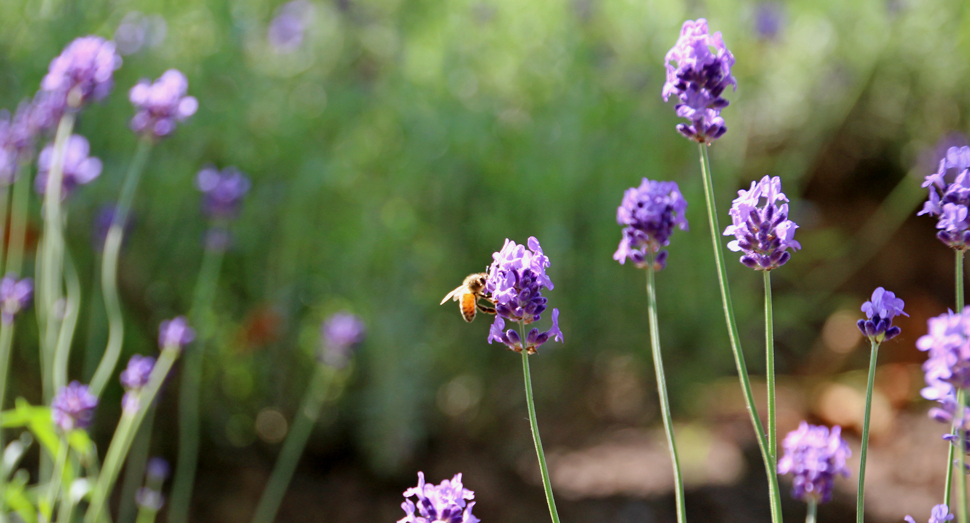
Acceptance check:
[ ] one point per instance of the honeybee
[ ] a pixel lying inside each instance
(471, 290)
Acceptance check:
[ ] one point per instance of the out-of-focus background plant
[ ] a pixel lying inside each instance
(393, 145)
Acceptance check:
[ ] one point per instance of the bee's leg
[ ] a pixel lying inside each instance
(485, 308)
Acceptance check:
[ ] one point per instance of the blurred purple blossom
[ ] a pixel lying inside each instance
(815, 456)
(15, 296)
(763, 234)
(133, 378)
(649, 213)
(160, 105)
(222, 192)
(73, 407)
(157, 470)
(138, 31)
(947, 345)
(880, 311)
(83, 72)
(341, 333)
(769, 18)
(175, 333)
(287, 29)
(448, 502)
(698, 77)
(102, 223)
(949, 200)
(79, 168)
(939, 514)
(149, 499)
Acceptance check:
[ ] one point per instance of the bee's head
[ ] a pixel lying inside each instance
(476, 282)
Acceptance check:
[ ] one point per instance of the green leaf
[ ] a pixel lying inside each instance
(17, 499)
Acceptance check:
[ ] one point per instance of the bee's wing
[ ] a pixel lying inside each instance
(455, 294)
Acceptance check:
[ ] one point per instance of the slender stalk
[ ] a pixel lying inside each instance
(962, 463)
(770, 373)
(18, 220)
(65, 335)
(6, 341)
(135, 468)
(543, 468)
(188, 456)
(735, 339)
(125, 434)
(4, 206)
(109, 269)
(810, 515)
(662, 392)
(65, 512)
(860, 495)
(295, 442)
(958, 287)
(50, 498)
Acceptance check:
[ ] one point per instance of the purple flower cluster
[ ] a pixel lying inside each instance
(73, 407)
(15, 296)
(764, 234)
(697, 77)
(449, 502)
(949, 201)
(175, 333)
(515, 281)
(222, 192)
(79, 168)
(649, 214)
(18, 133)
(880, 311)
(341, 333)
(133, 378)
(83, 72)
(815, 456)
(947, 345)
(287, 30)
(939, 514)
(162, 104)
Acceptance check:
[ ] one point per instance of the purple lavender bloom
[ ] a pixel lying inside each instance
(157, 470)
(341, 334)
(769, 17)
(17, 134)
(815, 456)
(222, 192)
(83, 71)
(515, 281)
(939, 514)
(449, 502)
(15, 296)
(161, 104)
(763, 234)
(139, 369)
(947, 366)
(948, 201)
(880, 311)
(288, 28)
(698, 77)
(102, 224)
(175, 333)
(79, 168)
(149, 499)
(649, 213)
(73, 407)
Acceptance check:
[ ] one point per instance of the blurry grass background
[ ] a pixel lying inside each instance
(399, 143)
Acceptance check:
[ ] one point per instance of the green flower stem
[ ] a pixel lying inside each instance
(295, 442)
(860, 495)
(188, 455)
(18, 221)
(6, 341)
(773, 490)
(65, 512)
(770, 373)
(135, 468)
(812, 507)
(50, 497)
(662, 392)
(4, 206)
(958, 285)
(962, 464)
(72, 307)
(125, 434)
(543, 468)
(109, 269)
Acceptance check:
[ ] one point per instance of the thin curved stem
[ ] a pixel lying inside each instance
(4, 207)
(72, 307)
(662, 393)
(306, 418)
(770, 373)
(860, 495)
(109, 270)
(735, 339)
(543, 468)
(958, 288)
(18, 221)
(135, 468)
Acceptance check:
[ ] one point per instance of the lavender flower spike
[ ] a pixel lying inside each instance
(649, 213)
(947, 345)
(515, 281)
(448, 502)
(222, 192)
(133, 378)
(15, 296)
(764, 234)
(949, 201)
(815, 456)
(79, 168)
(175, 333)
(73, 407)
(698, 77)
(341, 333)
(161, 104)
(83, 71)
(939, 514)
(880, 311)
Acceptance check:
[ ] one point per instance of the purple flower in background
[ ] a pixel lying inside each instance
(288, 28)
(157, 470)
(222, 192)
(449, 502)
(515, 281)
(102, 224)
(138, 31)
(15, 296)
(880, 311)
(763, 234)
(341, 334)
(83, 71)
(947, 366)
(133, 378)
(939, 514)
(697, 77)
(769, 17)
(948, 201)
(175, 333)
(162, 104)
(17, 135)
(649, 213)
(815, 456)
(79, 168)
(73, 407)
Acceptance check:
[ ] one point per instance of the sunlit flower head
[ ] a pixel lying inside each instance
(649, 214)
(447, 502)
(880, 311)
(175, 333)
(949, 198)
(162, 104)
(73, 407)
(760, 226)
(815, 456)
(83, 72)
